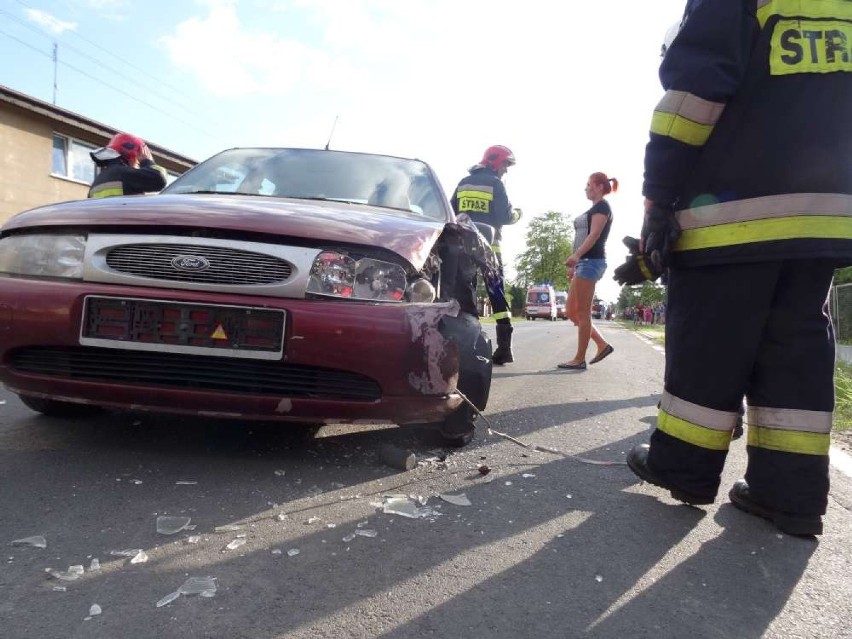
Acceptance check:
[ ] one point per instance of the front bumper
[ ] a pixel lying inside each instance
(396, 352)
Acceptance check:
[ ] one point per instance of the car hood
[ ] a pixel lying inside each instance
(410, 237)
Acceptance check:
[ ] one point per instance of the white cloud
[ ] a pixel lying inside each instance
(231, 60)
(49, 22)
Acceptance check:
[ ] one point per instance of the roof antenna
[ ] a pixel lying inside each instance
(332, 132)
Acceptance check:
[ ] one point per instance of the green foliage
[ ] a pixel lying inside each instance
(516, 295)
(843, 275)
(647, 293)
(843, 395)
(549, 241)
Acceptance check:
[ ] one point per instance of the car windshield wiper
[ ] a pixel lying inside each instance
(206, 192)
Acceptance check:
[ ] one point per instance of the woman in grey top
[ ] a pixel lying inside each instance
(586, 266)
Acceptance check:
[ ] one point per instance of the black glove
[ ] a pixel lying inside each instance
(631, 243)
(659, 234)
(635, 270)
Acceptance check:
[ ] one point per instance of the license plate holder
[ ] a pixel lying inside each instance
(183, 327)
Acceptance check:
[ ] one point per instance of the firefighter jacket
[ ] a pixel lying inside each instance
(752, 141)
(118, 178)
(482, 196)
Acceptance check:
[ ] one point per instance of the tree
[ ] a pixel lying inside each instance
(549, 242)
(517, 296)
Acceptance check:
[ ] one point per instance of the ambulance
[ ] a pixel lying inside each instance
(541, 302)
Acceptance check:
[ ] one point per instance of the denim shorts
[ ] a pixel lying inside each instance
(590, 269)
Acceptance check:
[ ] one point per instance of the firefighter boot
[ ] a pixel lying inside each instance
(503, 354)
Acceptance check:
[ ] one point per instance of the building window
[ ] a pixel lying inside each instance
(71, 159)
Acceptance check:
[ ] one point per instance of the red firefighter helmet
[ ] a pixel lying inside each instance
(497, 157)
(129, 147)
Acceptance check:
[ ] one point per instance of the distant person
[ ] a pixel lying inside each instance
(586, 265)
(126, 167)
(482, 196)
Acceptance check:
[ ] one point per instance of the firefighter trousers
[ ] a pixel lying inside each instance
(760, 331)
(497, 292)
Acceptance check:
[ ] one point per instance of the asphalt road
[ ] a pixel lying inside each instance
(550, 546)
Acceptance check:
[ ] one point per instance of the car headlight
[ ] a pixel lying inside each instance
(43, 255)
(339, 275)
(422, 291)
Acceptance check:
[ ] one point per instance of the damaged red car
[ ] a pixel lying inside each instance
(300, 285)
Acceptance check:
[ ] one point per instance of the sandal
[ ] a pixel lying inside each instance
(608, 349)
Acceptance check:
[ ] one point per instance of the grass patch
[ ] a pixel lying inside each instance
(654, 332)
(843, 397)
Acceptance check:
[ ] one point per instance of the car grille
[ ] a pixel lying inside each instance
(167, 370)
(214, 264)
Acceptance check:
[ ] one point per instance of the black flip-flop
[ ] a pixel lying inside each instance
(608, 349)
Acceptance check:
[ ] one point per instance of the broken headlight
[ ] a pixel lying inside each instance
(338, 275)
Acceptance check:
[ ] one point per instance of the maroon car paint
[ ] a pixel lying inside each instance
(376, 340)
(408, 235)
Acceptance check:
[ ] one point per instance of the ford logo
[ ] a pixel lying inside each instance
(190, 263)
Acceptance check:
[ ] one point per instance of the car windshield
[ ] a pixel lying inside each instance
(406, 186)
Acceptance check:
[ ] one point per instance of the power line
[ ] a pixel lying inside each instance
(119, 58)
(95, 61)
(117, 90)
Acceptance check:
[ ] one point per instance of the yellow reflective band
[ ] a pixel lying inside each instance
(496, 248)
(693, 433)
(110, 192)
(680, 129)
(795, 419)
(768, 206)
(785, 228)
(691, 107)
(477, 195)
(502, 315)
(789, 441)
(841, 9)
(697, 414)
(802, 46)
(644, 268)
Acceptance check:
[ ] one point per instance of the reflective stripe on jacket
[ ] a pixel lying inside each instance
(752, 139)
(117, 178)
(482, 196)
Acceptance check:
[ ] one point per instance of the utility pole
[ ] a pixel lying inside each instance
(55, 65)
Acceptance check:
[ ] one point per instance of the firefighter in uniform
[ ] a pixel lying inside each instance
(749, 209)
(126, 167)
(482, 196)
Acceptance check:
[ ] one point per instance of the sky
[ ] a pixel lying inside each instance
(569, 87)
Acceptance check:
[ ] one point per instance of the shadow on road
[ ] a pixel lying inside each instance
(567, 550)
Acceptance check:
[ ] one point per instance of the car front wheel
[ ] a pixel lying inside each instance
(56, 408)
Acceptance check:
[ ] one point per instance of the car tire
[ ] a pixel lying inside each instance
(56, 408)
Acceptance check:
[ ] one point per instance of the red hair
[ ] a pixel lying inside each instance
(610, 185)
